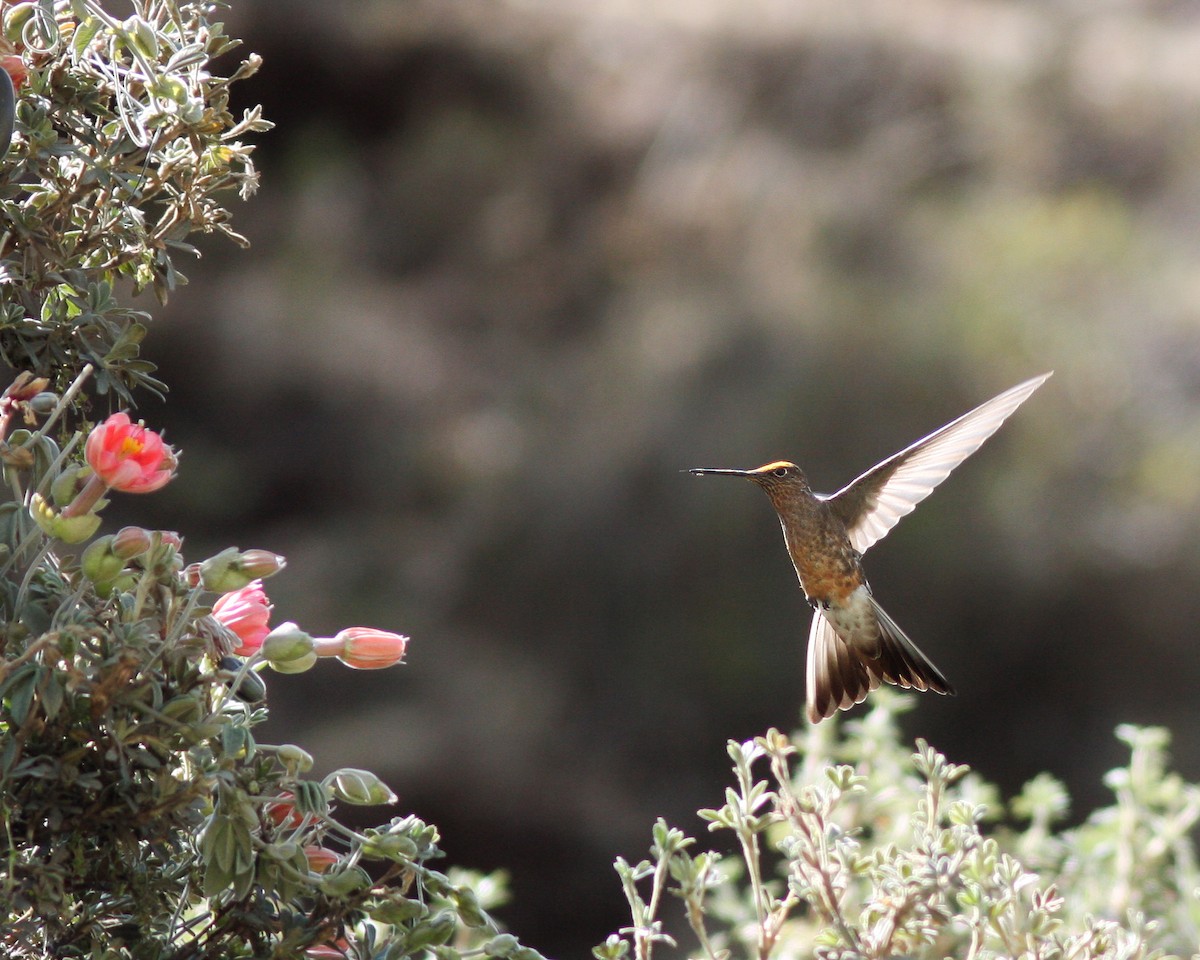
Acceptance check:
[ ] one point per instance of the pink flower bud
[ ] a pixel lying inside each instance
(365, 648)
(130, 542)
(128, 457)
(232, 569)
(246, 613)
(320, 859)
(260, 563)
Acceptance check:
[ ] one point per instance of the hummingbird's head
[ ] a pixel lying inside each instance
(777, 477)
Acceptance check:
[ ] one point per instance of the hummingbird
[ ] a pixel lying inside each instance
(853, 645)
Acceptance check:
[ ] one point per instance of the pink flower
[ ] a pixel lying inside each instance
(366, 648)
(283, 812)
(15, 67)
(245, 613)
(128, 457)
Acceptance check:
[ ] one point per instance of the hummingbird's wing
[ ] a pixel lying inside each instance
(874, 503)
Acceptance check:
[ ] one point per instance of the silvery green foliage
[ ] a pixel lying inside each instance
(123, 147)
(852, 846)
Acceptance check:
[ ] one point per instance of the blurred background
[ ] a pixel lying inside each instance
(517, 264)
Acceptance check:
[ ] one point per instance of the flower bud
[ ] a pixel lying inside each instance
(296, 759)
(365, 648)
(217, 573)
(138, 31)
(232, 569)
(15, 19)
(99, 563)
(286, 643)
(257, 564)
(251, 688)
(130, 542)
(43, 404)
(320, 859)
(163, 556)
(360, 787)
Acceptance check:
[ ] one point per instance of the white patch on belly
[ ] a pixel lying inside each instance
(854, 620)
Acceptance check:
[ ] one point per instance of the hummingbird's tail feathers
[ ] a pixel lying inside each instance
(838, 675)
(901, 661)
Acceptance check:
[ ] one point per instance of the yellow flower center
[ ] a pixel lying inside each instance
(131, 447)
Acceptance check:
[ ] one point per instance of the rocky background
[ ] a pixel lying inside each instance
(517, 264)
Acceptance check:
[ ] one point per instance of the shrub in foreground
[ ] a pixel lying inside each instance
(849, 845)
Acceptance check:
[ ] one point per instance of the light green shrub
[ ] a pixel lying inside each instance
(852, 846)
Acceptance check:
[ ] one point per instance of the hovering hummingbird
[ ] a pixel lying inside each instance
(853, 645)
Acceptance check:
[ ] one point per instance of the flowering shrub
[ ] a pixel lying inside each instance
(852, 846)
(140, 809)
(140, 816)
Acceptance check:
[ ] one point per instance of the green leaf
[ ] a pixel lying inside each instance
(18, 689)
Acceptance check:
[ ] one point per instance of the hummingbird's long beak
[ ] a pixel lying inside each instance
(721, 471)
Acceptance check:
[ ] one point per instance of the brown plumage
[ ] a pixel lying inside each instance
(853, 645)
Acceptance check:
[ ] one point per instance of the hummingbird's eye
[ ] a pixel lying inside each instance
(781, 471)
